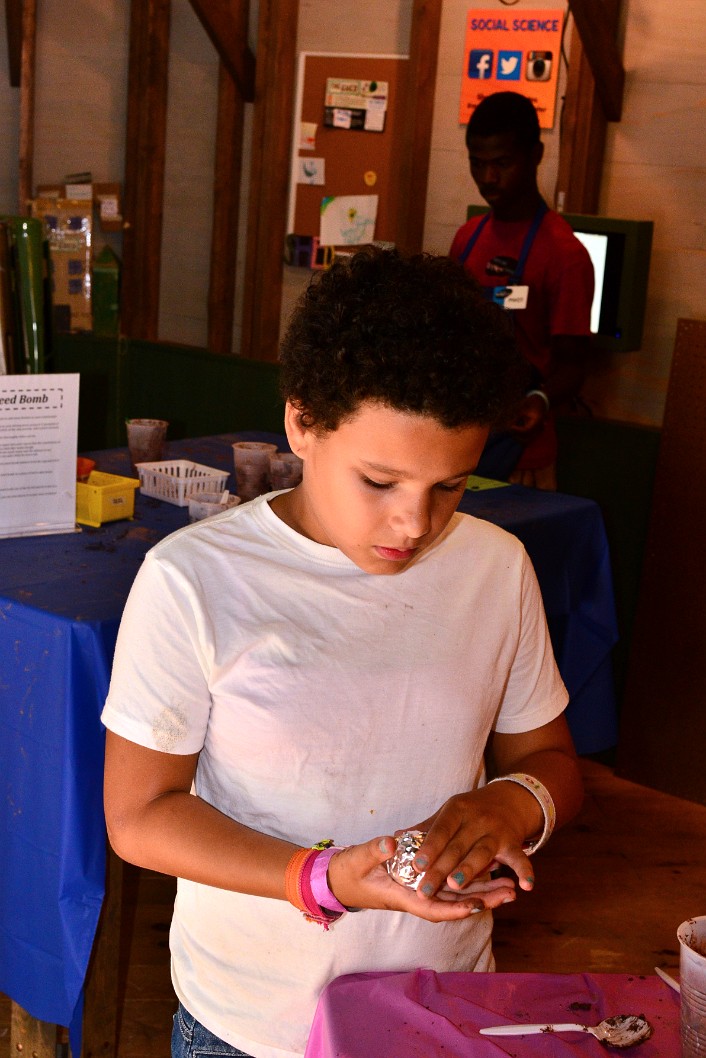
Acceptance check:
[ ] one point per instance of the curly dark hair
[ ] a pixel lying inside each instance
(412, 332)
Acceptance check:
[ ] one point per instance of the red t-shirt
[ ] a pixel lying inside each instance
(559, 274)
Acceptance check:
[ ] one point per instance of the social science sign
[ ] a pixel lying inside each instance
(512, 52)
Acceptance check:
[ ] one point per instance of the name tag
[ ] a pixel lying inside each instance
(514, 297)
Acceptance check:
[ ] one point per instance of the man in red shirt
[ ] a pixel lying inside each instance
(528, 258)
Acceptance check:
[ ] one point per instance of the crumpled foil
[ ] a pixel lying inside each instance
(399, 866)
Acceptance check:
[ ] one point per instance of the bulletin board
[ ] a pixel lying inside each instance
(355, 161)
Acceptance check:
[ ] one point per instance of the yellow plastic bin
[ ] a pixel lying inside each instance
(105, 498)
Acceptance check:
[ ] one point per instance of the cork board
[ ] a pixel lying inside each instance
(350, 155)
(664, 714)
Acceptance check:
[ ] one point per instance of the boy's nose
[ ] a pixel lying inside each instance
(414, 520)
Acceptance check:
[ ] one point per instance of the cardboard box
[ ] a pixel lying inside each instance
(68, 225)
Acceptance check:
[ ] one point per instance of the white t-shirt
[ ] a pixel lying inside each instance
(325, 702)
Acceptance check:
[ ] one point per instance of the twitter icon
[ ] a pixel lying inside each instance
(509, 65)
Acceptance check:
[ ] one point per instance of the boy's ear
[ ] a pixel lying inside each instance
(297, 434)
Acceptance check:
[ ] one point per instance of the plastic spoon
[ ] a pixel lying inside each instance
(623, 1030)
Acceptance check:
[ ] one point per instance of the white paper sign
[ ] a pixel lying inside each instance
(307, 135)
(311, 170)
(38, 439)
(348, 220)
(341, 118)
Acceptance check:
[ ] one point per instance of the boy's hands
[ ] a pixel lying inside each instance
(472, 834)
(358, 877)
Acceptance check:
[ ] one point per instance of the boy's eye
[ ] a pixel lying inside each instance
(452, 488)
(377, 484)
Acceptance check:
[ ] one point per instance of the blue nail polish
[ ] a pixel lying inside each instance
(459, 877)
(422, 862)
(427, 889)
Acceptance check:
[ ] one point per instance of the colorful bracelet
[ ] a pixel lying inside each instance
(546, 803)
(303, 889)
(538, 393)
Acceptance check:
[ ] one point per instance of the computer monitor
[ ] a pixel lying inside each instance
(620, 251)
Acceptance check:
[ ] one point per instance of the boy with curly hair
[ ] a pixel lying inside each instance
(343, 660)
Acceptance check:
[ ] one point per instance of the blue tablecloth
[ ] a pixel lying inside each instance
(61, 598)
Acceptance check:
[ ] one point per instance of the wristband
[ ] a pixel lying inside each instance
(292, 877)
(299, 884)
(319, 881)
(538, 393)
(538, 790)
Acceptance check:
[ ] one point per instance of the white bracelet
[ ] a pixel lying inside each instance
(542, 794)
(538, 393)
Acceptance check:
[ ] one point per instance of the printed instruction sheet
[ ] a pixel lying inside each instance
(38, 439)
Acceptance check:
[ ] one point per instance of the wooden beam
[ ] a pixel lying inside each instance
(583, 130)
(597, 33)
(226, 202)
(13, 22)
(144, 167)
(27, 81)
(418, 115)
(269, 177)
(224, 27)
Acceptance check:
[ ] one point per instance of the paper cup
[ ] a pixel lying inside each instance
(692, 978)
(145, 440)
(251, 460)
(207, 504)
(285, 470)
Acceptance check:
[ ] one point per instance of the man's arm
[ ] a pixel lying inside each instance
(562, 384)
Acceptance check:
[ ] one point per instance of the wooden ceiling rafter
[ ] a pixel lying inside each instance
(584, 120)
(145, 158)
(269, 177)
(223, 25)
(596, 28)
(226, 199)
(28, 55)
(418, 117)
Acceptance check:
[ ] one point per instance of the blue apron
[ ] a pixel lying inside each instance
(502, 451)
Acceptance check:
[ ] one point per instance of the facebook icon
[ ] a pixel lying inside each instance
(480, 64)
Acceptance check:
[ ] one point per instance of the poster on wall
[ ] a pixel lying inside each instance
(354, 104)
(348, 220)
(507, 52)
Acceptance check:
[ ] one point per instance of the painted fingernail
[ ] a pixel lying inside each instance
(421, 862)
(383, 844)
(427, 889)
(459, 877)
(529, 879)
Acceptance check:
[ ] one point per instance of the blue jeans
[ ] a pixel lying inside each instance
(191, 1040)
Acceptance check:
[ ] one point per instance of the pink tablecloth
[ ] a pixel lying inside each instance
(421, 1014)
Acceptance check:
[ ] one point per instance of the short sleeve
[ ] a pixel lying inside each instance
(535, 693)
(158, 695)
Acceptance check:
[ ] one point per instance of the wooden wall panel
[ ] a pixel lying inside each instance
(27, 94)
(226, 210)
(145, 144)
(664, 714)
(269, 177)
